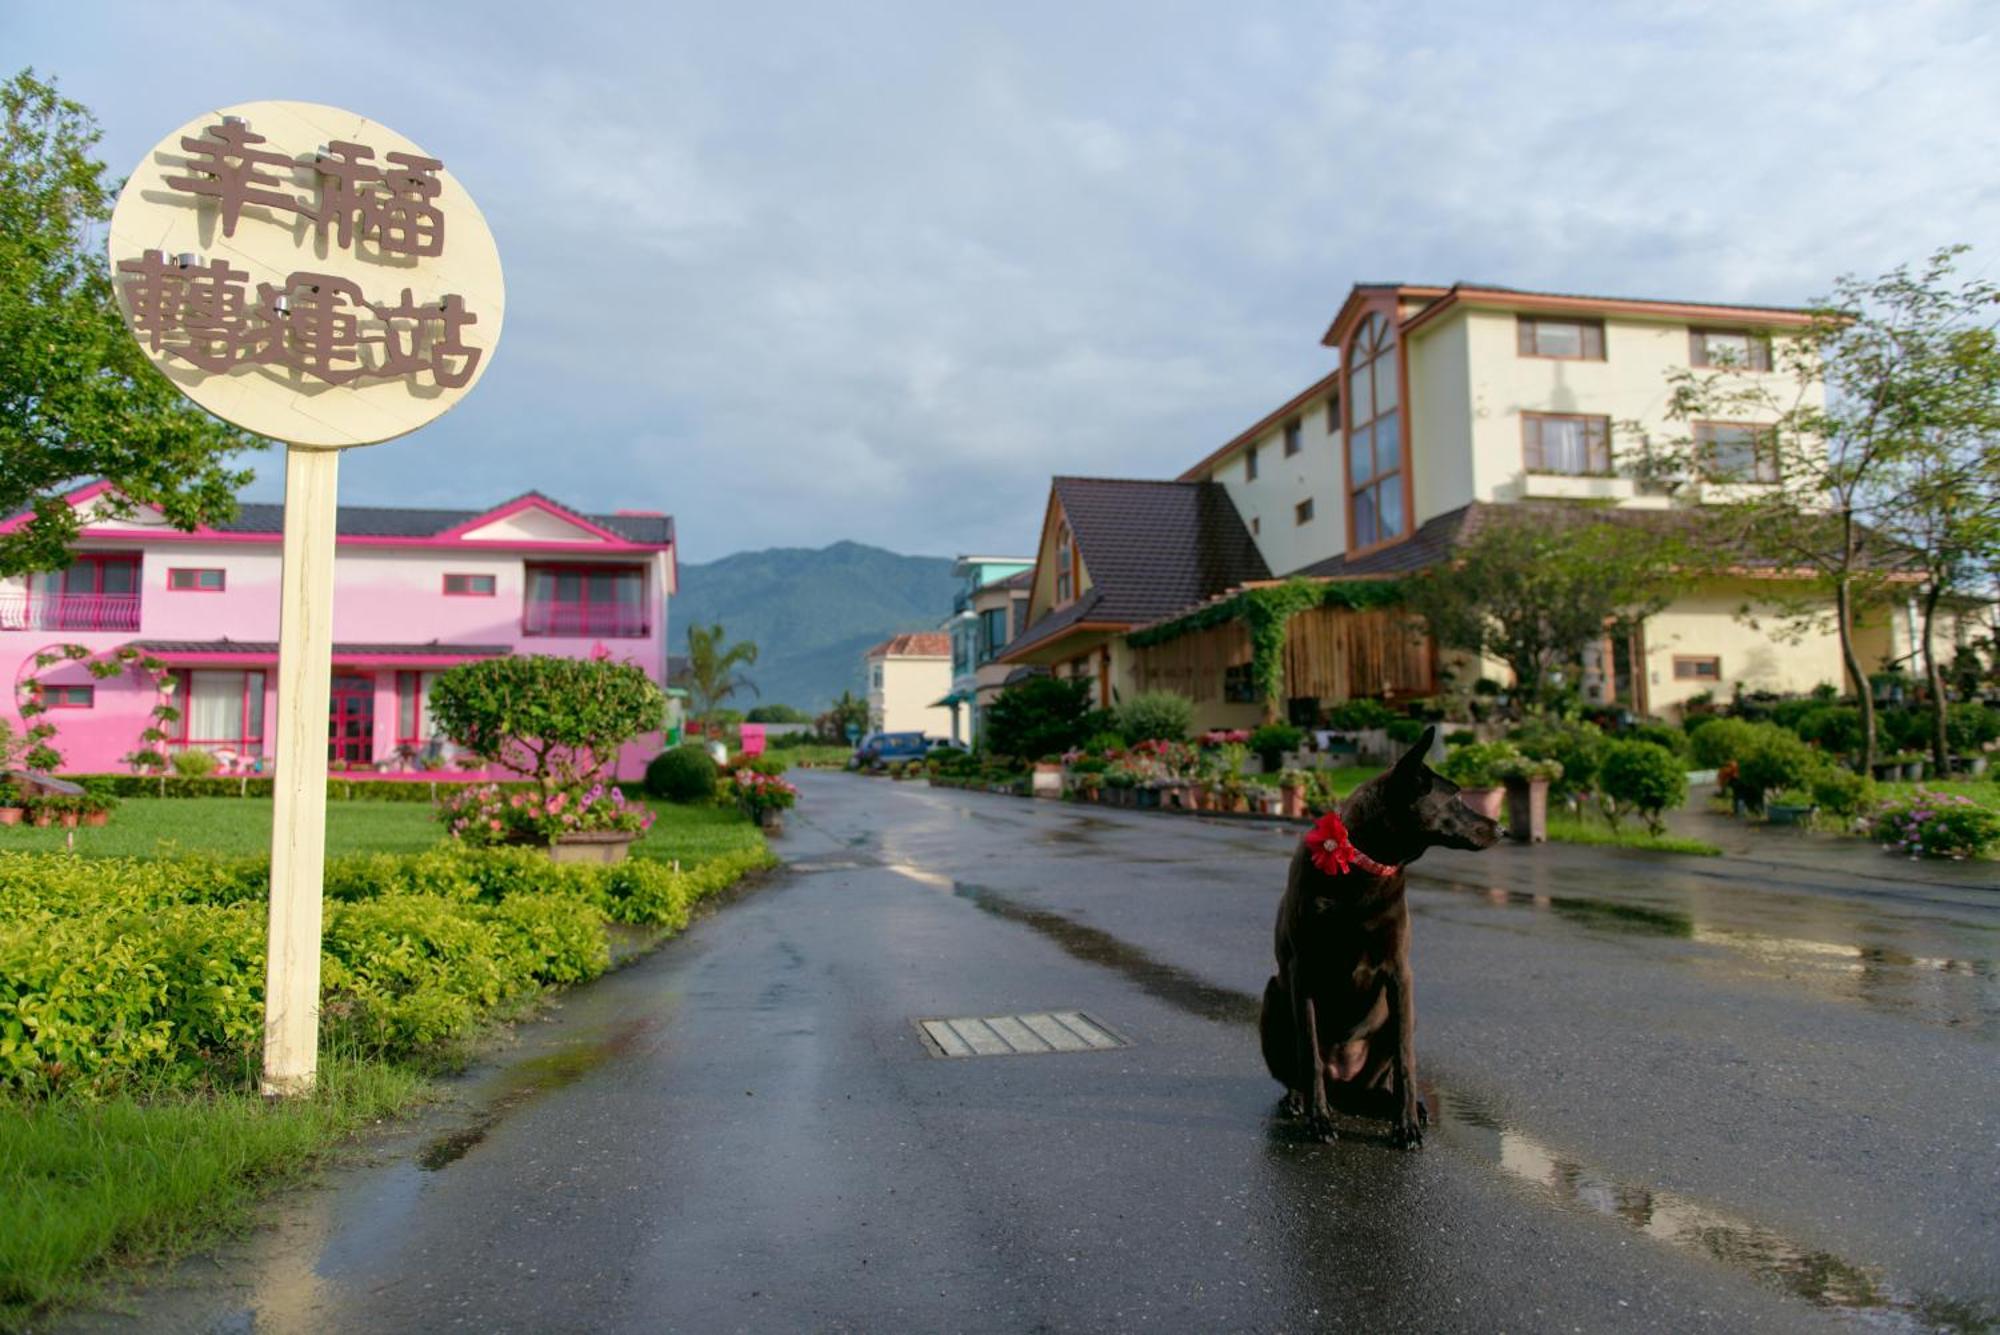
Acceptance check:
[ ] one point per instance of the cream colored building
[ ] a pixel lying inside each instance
(1450, 407)
(906, 675)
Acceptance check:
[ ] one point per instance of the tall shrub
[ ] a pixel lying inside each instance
(1156, 716)
(557, 721)
(1042, 716)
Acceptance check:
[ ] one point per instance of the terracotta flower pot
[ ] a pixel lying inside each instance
(1292, 802)
(593, 846)
(11, 815)
(1528, 810)
(96, 818)
(1485, 801)
(70, 819)
(41, 820)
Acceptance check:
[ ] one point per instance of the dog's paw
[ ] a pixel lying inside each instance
(1293, 1105)
(1319, 1127)
(1423, 1113)
(1408, 1133)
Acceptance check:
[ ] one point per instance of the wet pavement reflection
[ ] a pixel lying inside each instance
(1468, 1124)
(1769, 940)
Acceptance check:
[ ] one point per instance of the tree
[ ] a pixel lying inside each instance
(1940, 497)
(78, 399)
(1042, 716)
(777, 714)
(557, 721)
(712, 676)
(849, 711)
(1854, 395)
(1534, 589)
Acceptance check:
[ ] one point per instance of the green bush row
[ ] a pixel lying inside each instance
(115, 971)
(259, 785)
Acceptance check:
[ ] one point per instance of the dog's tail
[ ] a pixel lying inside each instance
(1275, 1027)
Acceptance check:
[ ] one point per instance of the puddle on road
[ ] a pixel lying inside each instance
(1819, 1277)
(525, 1081)
(1960, 994)
(1469, 1125)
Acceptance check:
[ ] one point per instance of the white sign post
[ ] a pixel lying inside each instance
(318, 279)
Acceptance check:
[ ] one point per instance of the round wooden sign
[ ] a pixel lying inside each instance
(307, 274)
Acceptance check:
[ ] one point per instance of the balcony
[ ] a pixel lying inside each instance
(69, 611)
(603, 620)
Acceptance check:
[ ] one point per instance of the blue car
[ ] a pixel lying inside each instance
(883, 748)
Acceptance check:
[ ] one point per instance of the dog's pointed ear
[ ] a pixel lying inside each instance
(1413, 759)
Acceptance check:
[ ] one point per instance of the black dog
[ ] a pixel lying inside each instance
(1340, 1010)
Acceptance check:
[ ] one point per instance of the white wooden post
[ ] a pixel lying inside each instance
(298, 817)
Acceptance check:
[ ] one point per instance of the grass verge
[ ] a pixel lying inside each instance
(159, 1168)
(129, 1179)
(1567, 829)
(145, 827)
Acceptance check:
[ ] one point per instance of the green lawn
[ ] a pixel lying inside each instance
(1983, 791)
(143, 1179)
(1590, 829)
(163, 826)
(1347, 778)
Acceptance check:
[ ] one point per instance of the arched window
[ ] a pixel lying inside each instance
(1065, 565)
(1374, 436)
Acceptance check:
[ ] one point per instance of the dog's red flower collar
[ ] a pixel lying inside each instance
(1335, 854)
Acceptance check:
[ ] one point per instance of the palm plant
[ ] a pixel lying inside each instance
(712, 676)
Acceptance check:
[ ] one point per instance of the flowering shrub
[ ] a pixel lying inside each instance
(1936, 825)
(1225, 737)
(484, 814)
(758, 793)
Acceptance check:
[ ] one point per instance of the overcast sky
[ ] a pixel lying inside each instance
(816, 271)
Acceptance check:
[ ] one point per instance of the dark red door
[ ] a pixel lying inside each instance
(351, 720)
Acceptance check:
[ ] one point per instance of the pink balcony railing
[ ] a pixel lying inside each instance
(611, 620)
(69, 611)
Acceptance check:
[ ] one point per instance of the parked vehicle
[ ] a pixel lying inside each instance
(882, 748)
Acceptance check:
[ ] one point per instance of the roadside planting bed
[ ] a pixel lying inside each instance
(131, 1012)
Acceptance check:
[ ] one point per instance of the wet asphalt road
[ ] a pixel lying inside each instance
(1670, 1094)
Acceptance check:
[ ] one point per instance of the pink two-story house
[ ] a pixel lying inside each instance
(415, 592)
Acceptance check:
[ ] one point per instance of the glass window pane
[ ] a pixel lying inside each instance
(1364, 517)
(215, 707)
(1558, 338)
(1360, 456)
(1361, 395)
(1386, 397)
(1389, 506)
(1388, 445)
(569, 588)
(253, 688)
(119, 577)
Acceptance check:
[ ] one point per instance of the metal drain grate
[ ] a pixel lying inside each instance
(1018, 1035)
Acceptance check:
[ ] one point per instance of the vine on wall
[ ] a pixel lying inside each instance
(31, 702)
(1266, 611)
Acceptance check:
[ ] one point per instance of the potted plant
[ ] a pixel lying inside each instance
(1292, 785)
(1476, 769)
(1527, 785)
(765, 798)
(1791, 806)
(96, 807)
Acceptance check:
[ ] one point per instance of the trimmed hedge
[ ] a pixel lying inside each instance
(337, 790)
(121, 970)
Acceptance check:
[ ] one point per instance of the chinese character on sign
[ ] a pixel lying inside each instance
(227, 164)
(392, 207)
(319, 325)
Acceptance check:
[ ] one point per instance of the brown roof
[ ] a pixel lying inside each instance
(913, 644)
(1150, 548)
(1436, 538)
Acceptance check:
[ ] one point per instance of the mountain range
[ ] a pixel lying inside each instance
(811, 613)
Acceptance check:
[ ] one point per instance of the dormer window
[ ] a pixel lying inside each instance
(1733, 349)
